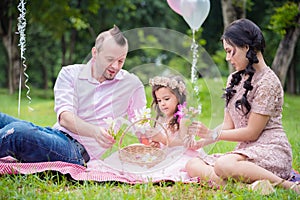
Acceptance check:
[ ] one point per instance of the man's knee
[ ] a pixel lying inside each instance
(17, 128)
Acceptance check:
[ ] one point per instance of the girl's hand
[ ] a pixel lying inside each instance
(151, 132)
(154, 144)
(149, 142)
(189, 141)
(156, 136)
(199, 144)
(159, 137)
(199, 129)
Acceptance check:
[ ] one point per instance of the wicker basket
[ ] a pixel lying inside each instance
(140, 154)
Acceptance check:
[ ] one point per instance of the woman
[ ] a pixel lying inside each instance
(254, 99)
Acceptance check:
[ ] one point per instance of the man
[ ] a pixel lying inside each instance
(85, 94)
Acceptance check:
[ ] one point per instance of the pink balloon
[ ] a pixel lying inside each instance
(175, 5)
(194, 12)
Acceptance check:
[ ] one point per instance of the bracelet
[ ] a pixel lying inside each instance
(215, 134)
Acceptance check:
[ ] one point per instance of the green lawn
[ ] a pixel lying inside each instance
(52, 185)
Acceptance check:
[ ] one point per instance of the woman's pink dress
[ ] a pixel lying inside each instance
(272, 149)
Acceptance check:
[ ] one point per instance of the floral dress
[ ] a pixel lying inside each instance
(272, 149)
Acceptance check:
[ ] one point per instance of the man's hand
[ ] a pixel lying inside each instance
(104, 139)
(76, 125)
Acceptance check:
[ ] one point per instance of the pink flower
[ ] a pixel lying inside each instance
(181, 111)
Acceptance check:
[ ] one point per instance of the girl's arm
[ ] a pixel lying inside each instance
(162, 137)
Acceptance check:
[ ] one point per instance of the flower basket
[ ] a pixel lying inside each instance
(140, 154)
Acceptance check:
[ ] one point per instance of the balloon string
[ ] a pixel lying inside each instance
(194, 49)
(22, 44)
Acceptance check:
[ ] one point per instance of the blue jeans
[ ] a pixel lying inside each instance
(30, 143)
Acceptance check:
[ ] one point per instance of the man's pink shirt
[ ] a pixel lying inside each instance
(78, 92)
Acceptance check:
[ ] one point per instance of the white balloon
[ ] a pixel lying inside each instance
(194, 12)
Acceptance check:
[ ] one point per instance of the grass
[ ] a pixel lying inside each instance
(53, 185)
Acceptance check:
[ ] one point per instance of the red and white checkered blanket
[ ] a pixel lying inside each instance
(100, 171)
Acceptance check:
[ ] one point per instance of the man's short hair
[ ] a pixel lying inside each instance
(116, 34)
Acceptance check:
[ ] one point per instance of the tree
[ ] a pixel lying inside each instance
(60, 24)
(72, 26)
(63, 32)
(233, 10)
(286, 22)
(8, 16)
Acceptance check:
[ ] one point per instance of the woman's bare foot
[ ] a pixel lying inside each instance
(295, 186)
(264, 187)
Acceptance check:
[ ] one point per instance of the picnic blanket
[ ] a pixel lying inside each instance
(112, 170)
(98, 170)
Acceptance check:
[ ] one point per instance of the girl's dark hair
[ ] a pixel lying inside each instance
(243, 33)
(180, 95)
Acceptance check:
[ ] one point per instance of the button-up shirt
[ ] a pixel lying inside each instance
(78, 92)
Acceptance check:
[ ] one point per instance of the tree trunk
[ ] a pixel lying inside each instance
(285, 51)
(291, 82)
(72, 45)
(67, 53)
(14, 65)
(232, 10)
(45, 76)
(63, 50)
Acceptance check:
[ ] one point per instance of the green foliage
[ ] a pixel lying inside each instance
(63, 32)
(78, 23)
(249, 5)
(219, 59)
(240, 4)
(58, 16)
(284, 18)
(180, 65)
(149, 47)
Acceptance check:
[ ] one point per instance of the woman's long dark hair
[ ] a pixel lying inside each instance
(243, 33)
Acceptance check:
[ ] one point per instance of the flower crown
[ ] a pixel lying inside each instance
(168, 82)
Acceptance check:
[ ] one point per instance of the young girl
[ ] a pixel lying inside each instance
(254, 99)
(168, 94)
